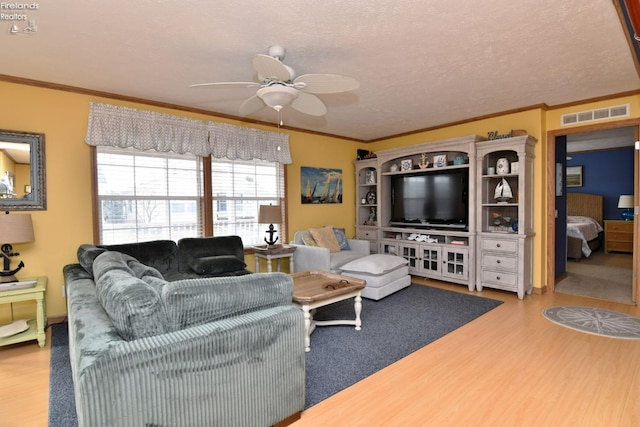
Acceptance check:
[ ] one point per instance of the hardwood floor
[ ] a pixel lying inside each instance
(510, 367)
(24, 384)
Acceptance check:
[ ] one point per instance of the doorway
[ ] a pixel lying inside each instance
(563, 274)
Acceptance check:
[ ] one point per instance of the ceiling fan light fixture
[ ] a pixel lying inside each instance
(277, 96)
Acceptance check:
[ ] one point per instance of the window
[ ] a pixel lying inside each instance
(146, 195)
(240, 187)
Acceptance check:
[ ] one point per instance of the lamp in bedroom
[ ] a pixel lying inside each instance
(626, 202)
(270, 214)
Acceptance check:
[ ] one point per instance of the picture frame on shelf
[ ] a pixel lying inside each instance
(574, 176)
(406, 165)
(440, 161)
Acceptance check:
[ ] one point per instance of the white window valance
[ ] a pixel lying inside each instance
(124, 127)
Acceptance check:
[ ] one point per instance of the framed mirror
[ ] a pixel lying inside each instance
(22, 171)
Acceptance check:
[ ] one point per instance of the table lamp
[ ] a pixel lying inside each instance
(270, 214)
(626, 202)
(16, 228)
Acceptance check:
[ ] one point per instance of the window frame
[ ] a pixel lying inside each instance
(206, 200)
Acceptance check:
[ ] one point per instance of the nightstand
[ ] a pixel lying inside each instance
(37, 325)
(618, 235)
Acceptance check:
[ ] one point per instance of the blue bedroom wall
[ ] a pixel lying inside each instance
(607, 172)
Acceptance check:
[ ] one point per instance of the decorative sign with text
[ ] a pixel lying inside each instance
(495, 135)
(19, 15)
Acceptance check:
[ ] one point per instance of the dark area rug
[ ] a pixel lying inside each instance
(62, 406)
(340, 356)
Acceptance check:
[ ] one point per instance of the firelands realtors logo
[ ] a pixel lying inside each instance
(20, 16)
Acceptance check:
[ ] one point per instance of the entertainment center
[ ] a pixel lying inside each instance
(456, 209)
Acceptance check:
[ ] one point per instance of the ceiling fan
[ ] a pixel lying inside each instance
(279, 86)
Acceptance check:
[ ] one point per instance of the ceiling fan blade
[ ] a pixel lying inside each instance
(270, 68)
(326, 83)
(309, 104)
(251, 105)
(226, 84)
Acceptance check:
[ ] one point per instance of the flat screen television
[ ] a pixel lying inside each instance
(435, 199)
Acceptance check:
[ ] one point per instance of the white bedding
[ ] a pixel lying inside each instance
(584, 228)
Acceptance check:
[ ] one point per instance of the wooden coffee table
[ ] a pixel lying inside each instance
(313, 289)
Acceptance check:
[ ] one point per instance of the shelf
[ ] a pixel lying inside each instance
(428, 169)
(504, 255)
(27, 335)
(495, 175)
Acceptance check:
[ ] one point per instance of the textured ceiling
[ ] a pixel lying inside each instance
(420, 63)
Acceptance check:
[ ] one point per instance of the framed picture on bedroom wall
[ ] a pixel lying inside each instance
(574, 176)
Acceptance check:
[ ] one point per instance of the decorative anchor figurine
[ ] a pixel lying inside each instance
(7, 274)
(271, 240)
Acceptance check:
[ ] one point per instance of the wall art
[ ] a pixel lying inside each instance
(320, 185)
(574, 176)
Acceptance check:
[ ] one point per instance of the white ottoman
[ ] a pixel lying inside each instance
(385, 274)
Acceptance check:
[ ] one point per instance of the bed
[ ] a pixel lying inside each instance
(584, 224)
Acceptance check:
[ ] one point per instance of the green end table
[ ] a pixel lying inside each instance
(37, 326)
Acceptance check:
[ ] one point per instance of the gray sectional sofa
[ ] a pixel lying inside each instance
(154, 343)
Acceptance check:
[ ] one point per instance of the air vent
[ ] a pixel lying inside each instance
(593, 115)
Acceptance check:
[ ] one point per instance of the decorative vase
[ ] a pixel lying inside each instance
(514, 226)
(502, 166)
(394, 168)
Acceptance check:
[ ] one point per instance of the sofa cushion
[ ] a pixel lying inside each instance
(341, 237)
(325, 238)
(338, 259)
(218, 264)
(374, 264)
(87, 254)
(159, 254)
(134, 306)
(196, 301)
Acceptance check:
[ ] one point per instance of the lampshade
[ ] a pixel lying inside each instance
(625, 201)
(277, 96)
(270, 214)
(16, 228)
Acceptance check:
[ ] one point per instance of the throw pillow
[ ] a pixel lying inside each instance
(307, 239)
(374, 264)
(341, 237)
(218, 264)
(325, 238)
